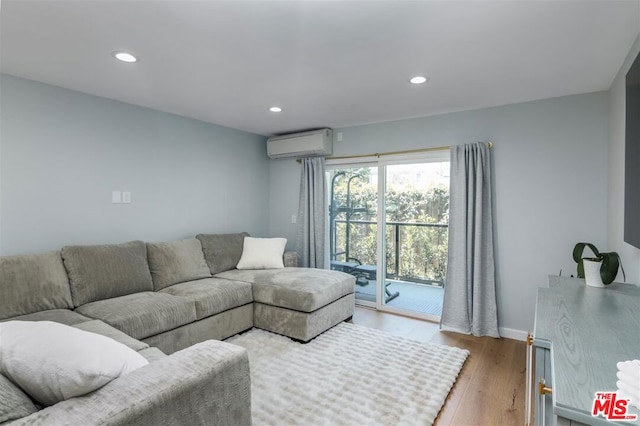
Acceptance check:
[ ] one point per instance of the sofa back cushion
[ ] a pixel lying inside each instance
(106, 271)
(176, 262)
(32, 283)
(222, 251)
(14, 403)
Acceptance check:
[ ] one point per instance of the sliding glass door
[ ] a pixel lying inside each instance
(415, 221)
(388, 225)
(353, 228)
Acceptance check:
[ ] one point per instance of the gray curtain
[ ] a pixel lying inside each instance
(470, 289)
(312, 212)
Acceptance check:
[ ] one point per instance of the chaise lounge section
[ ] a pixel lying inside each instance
(296, 302)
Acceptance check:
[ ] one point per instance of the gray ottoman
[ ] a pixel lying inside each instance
(298, 302)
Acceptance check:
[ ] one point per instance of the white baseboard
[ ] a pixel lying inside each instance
(511, 333)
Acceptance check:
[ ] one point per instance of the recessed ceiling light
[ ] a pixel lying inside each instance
(275, 109)
(125, 57)
(418, 80)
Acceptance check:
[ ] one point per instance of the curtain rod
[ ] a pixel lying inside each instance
(382, 154)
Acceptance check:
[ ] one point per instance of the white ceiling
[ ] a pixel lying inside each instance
(326, 63)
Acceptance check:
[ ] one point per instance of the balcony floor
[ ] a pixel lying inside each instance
(413, 297)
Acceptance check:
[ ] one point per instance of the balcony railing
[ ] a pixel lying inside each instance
(415, 252)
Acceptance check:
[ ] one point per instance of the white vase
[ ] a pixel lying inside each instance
(592, 273)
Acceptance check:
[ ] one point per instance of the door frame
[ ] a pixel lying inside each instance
(381, 162)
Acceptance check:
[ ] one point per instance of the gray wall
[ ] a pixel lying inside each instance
(63, 152)
(550, 183)
(629, 254)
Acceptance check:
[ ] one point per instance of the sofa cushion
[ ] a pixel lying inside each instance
(213, 295)
(99, 327)
(14, 404)
(53, 362)
(262, 253)
(222, 251)
(290, 259)
(105, 271)
(143, 314)
(62, 316)
(300, 289)
(152, 354)
(176, 262)
(32, 283)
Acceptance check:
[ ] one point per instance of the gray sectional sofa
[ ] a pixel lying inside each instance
(172, 302)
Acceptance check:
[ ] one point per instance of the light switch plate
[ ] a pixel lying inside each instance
(116, 197)
(126, 197)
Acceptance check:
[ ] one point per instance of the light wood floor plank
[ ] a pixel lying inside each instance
(514, 411)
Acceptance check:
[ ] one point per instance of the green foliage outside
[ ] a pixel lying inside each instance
(422, 249)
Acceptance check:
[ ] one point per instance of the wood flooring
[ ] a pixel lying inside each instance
(490, 389)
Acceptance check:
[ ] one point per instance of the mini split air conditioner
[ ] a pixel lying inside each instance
(306, 144)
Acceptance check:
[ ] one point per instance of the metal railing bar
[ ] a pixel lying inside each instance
(369, 222)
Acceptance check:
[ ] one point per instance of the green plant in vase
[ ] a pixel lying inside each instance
(600, 269)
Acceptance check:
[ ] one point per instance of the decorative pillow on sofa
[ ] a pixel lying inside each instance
(262, 253)
(176, 262)
(52, 362)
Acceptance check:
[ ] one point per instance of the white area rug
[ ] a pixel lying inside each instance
(349, 375)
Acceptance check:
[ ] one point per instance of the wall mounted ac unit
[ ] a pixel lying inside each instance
(305, 144)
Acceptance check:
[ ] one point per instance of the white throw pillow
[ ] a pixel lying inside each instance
(262, 253)
(52, 362)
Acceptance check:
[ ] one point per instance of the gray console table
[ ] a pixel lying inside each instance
(580, 334)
